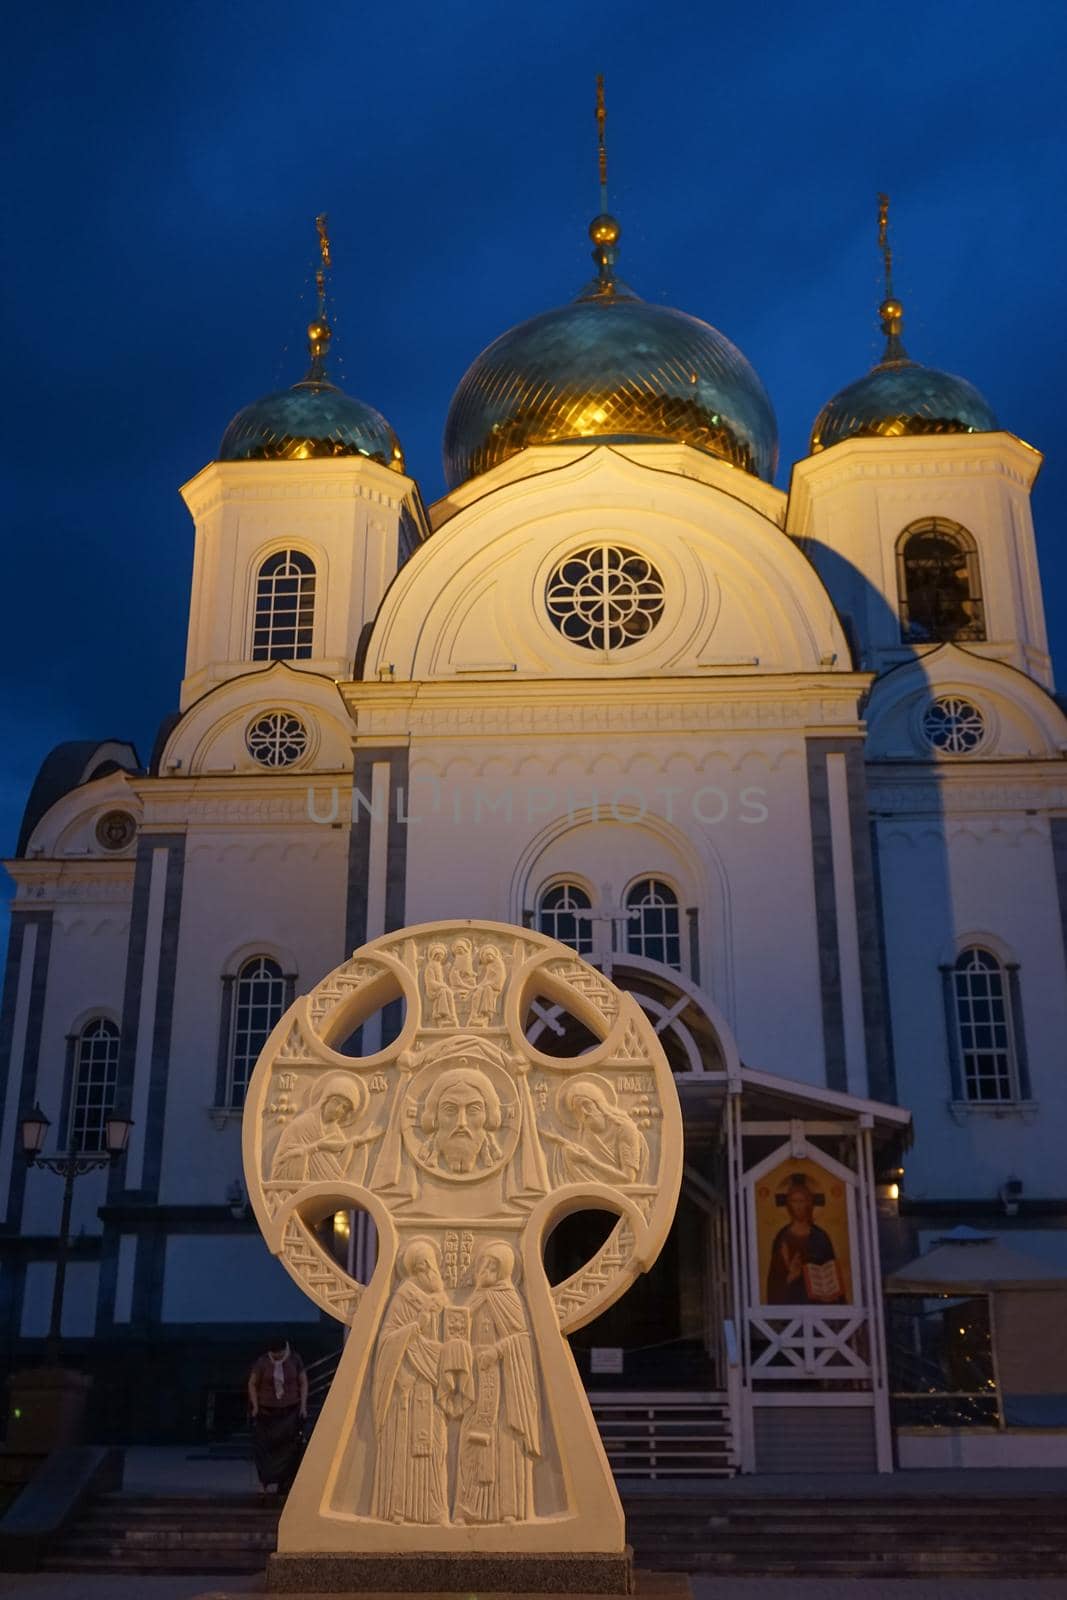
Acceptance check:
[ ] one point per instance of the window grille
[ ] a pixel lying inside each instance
(652, 929)
(276, 739)
(953, 725)
(605, 598)
(283, 626)
(96, 1068)
(984, 1027)
(259, 1001)
(939, 582)
(556, 917)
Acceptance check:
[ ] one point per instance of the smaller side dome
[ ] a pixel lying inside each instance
(311, 420)
(899, 396)
(902, 397)
(314, 419)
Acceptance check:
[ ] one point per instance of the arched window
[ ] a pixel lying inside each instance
(652, 928)
(283, 626)
(984, 1027)
(96, 1069)
(258, 1002)
(939, 582)
(556, 917)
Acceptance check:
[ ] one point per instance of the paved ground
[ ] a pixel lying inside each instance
(78, 1587)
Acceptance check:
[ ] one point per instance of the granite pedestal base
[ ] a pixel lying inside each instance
(482, 1573)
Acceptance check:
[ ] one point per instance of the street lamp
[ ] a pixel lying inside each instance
(69, 1167)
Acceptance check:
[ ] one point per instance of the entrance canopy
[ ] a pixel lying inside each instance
(973, 1265)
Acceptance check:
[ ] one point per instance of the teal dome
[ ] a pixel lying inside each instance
(312, 420)
(900, 396)
(609, 368)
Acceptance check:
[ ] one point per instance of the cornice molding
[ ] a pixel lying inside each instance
(347, 479)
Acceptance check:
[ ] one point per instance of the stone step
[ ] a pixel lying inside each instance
(252, 1501)
(217, 1512)
(890, 1536)
(163, 1564)
(872, 1539)
(858, 1567)
(173, 1539)
(932, 1504)
(710, 1518)
(983, 1548)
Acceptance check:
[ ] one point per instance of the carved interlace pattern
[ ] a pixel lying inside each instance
(334, 1290)
(572, 1296)
(337, 987)
(953, 725)
(276, 739)
(605, 597)
(588, 982)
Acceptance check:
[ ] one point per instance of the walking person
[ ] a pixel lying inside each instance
(278, 1400)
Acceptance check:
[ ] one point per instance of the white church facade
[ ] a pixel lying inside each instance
(786, 764)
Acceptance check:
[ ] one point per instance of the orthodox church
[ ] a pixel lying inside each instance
(787, 765)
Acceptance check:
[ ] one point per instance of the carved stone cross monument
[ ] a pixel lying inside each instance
(457, 1438)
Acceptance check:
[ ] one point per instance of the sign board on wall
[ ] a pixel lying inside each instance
(605, 1359)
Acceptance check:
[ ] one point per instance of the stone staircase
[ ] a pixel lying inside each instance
(884, 1535)
(711, 1532)
(169, 1534)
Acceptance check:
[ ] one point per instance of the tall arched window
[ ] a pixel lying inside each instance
(984, 1027)
(939, 582)
(556, 917)
(284, 622)
(258, 1002)
(652, 929)
(96, 1070)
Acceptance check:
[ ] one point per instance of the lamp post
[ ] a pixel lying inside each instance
(69, 1167)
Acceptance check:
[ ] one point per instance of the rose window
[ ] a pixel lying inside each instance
(276, 739)
(953, 725)
(605, 597)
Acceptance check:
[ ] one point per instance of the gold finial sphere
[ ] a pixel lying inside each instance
(319, 335)
(891, 313)
(604, 230)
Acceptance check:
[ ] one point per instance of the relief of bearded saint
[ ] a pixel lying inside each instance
(411, 1467)
(500, 1434)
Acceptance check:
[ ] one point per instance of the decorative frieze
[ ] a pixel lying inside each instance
(938, 798)
(584, 717)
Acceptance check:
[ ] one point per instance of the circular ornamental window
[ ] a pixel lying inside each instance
(605, 597)
(953, 725)
(276, 739)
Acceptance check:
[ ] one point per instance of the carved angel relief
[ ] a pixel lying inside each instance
(457, 1414)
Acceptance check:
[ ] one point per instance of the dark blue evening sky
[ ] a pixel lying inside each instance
(165, 163)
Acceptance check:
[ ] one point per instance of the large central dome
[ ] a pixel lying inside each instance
(609, 368)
